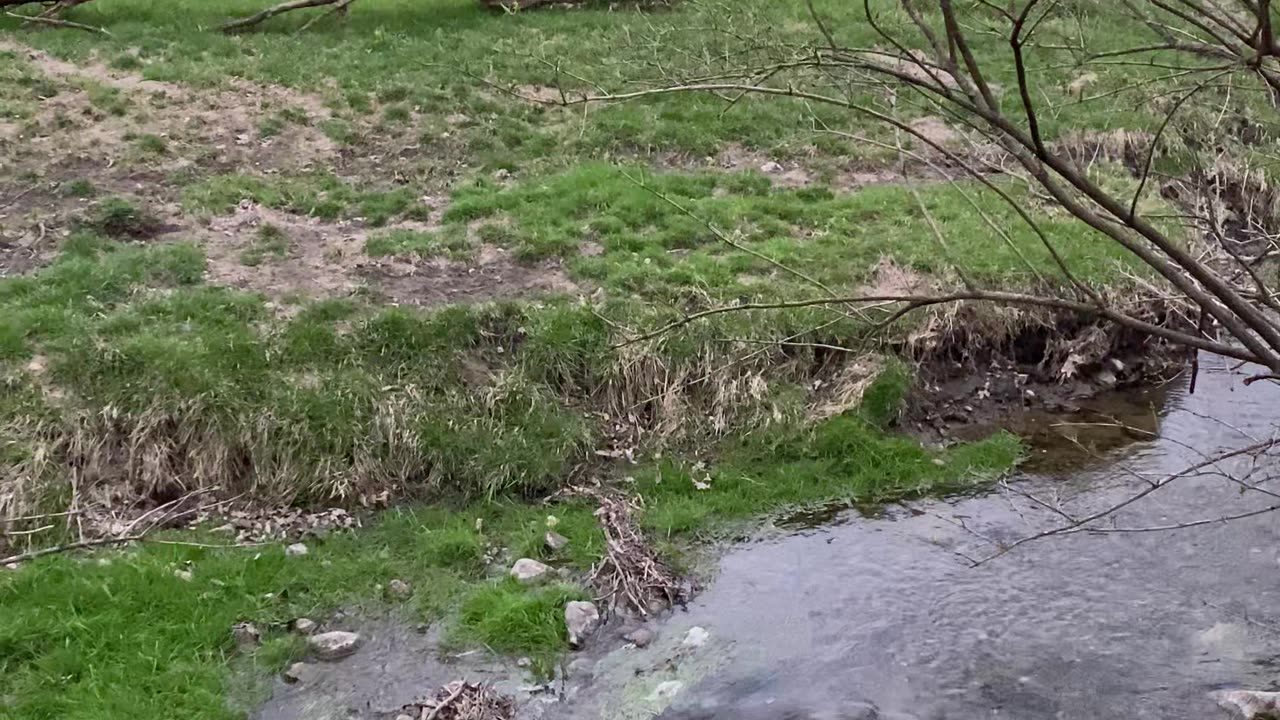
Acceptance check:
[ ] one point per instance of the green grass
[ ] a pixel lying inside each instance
(118, 635)
(317, 194)
(451, 243)
(271, 243)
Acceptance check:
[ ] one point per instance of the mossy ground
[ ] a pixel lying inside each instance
(119, 352)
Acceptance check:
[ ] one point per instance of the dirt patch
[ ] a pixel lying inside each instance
(493, 275)
(324, 259)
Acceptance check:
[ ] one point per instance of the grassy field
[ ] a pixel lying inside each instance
(350, 267)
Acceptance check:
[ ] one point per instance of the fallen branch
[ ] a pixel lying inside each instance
(55, 22)
(280, 9)
(23, 557)
(631, 573)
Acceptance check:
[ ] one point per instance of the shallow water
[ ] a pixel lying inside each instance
(886, 616)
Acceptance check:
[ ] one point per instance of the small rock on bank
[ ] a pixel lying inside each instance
(581, 619)
(527, 572)
(334, 645)
(399, 589)
(1249, 704)
(305, 626)
(554, 541)
(296, 550)
(301, 673)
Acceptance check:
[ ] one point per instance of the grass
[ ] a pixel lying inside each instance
(318, 194)
(118, 635)
(450, 243)
(270, 243)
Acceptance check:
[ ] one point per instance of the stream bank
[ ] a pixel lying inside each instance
(884, 616)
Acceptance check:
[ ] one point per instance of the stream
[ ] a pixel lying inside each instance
(841, 616)
(885, 617)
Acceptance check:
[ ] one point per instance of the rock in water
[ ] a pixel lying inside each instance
(555, 541)
(1249, 704)
(696, 637)
(581, 619)
(527, 571)
(640, 637)
(296, 550)
(335, 645)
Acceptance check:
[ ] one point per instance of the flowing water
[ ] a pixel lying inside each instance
(886, 617)
(839, 616)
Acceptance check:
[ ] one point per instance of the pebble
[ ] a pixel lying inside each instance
(184, 575)
(335, 645)
(246, 635)
(305, 626)
(771, 168)
(296, 550)
(399, 589)
(527, 571)
(301, 672)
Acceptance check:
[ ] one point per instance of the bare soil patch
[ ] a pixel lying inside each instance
(329, 260)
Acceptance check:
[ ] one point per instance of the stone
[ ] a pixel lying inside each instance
(666, 691)
(402, 716)
(580, 669)
(771, 168)
(527, 571)
(305, 626)
(555, 541)
(501, 174)
(184, 575)
(640, 637)
(296, 550)
(581, 619)
(301, 672)
(524, 662)
(399, 589)
(335, 645)
(695, 638)
(1249, 704)
(246, 635)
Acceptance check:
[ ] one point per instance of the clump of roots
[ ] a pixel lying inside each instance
(461, 700)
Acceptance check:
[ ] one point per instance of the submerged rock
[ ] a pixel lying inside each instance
(527, 572)
(581, 619)
(1249, 704)
(335, 645)
(640, 637)
(696, 637)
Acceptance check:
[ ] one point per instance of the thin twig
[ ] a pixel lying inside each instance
(55, 22)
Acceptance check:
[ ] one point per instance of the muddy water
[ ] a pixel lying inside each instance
(885, 617)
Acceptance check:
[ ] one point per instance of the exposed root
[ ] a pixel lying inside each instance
(461, 700)
(632, 574)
